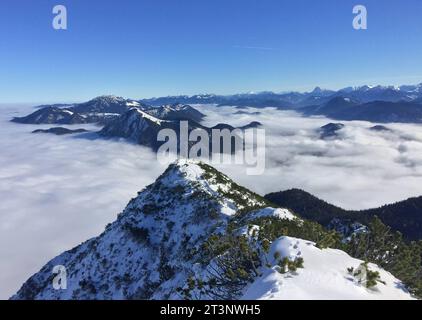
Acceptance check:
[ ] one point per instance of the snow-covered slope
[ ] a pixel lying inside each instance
(150, 249)
(105, 108)
(135, 125)
(141, 127)
(49, 115)
(324, 276)
(193, 234)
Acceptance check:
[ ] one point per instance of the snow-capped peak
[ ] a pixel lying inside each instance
(180, 229)
(317, 90)
(154, 245)
(108, 98)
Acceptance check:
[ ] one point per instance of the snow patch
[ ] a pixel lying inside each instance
(324, 276)
(283, 214)
(148, 116)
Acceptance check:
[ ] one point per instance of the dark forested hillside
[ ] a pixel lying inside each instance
(404, 216)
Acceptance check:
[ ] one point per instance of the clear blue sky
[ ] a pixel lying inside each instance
(145, 48)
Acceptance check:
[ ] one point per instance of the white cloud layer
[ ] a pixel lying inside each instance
(57, 191)
(362, 169)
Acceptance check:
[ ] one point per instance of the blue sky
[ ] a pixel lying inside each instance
(145, 48)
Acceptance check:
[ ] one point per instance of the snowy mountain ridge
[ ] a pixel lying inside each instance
(143, 125)
(196, 234)
(105, 109)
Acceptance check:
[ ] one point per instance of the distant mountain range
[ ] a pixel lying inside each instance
(105, 109)
(99, 110)
(376, 111)
(404, 216)
(362, 94)
(377, 104)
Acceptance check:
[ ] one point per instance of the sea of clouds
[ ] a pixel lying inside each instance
(360, 169)
(58, 191)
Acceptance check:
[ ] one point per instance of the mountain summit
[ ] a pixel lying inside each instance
(196, 234)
